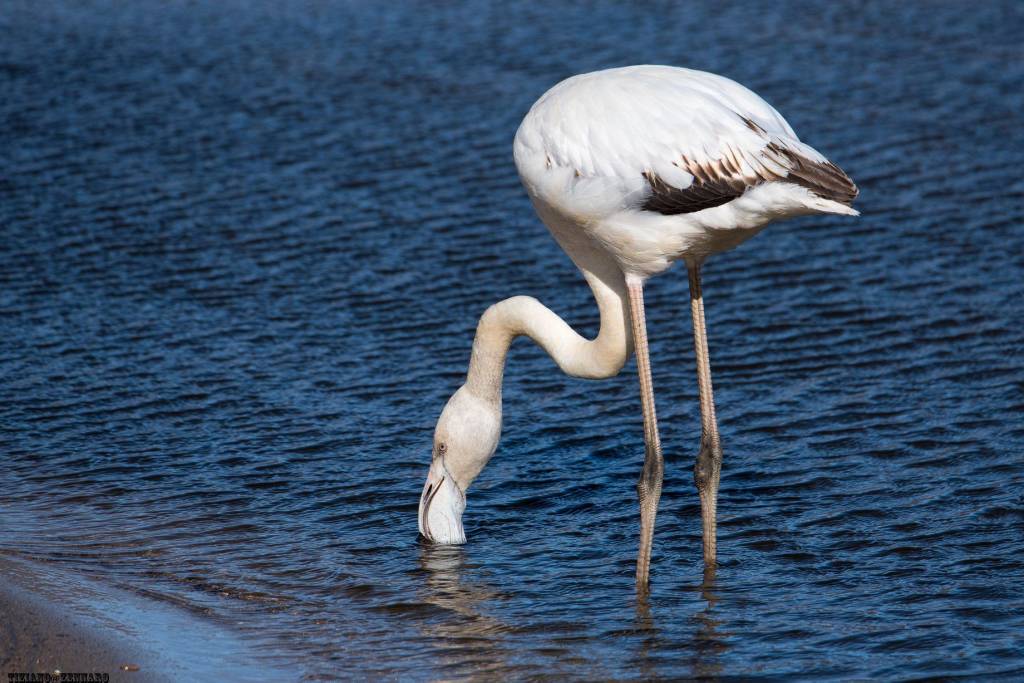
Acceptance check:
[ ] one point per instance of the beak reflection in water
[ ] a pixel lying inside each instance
(441, 506)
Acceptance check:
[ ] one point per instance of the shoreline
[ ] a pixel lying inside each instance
(52, 619)
(38, 637)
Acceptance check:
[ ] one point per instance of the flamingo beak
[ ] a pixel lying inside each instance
(441, 506)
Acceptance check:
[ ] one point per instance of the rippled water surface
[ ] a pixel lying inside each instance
(244, 248)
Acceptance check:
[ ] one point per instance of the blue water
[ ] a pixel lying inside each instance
(243, 248)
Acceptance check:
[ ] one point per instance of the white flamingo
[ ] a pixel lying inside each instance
(631, 169)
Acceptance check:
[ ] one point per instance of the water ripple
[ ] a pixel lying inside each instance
(244, 249)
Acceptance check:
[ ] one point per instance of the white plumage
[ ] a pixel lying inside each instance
(586, 145)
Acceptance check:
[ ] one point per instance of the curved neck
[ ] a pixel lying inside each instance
(577, 356)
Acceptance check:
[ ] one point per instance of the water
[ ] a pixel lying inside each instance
(244, 247)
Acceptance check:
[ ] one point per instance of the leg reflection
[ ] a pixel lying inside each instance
(709, 643)
(660, 655)
(649, 644)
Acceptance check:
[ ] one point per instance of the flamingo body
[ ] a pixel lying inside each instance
(631, 169)
(657, 164)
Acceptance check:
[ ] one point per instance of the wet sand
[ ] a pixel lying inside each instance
(37, 636)
(52, 619)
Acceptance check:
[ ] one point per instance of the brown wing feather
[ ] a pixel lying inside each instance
(722, 180)
(668, 200)
(824, 179)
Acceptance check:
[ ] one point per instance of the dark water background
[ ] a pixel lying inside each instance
(244, 247)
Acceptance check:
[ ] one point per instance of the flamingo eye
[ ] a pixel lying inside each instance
(442, 448)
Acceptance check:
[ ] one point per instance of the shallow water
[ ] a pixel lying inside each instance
(244, 247)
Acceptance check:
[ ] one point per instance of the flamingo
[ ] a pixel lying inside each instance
(631, 169)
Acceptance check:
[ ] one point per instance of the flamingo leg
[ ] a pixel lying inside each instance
(707, 471)
(649, 486)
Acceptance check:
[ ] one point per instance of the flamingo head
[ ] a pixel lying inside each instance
(465, 438)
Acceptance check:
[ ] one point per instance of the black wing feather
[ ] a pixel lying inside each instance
(722, 180)
(670, 201)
